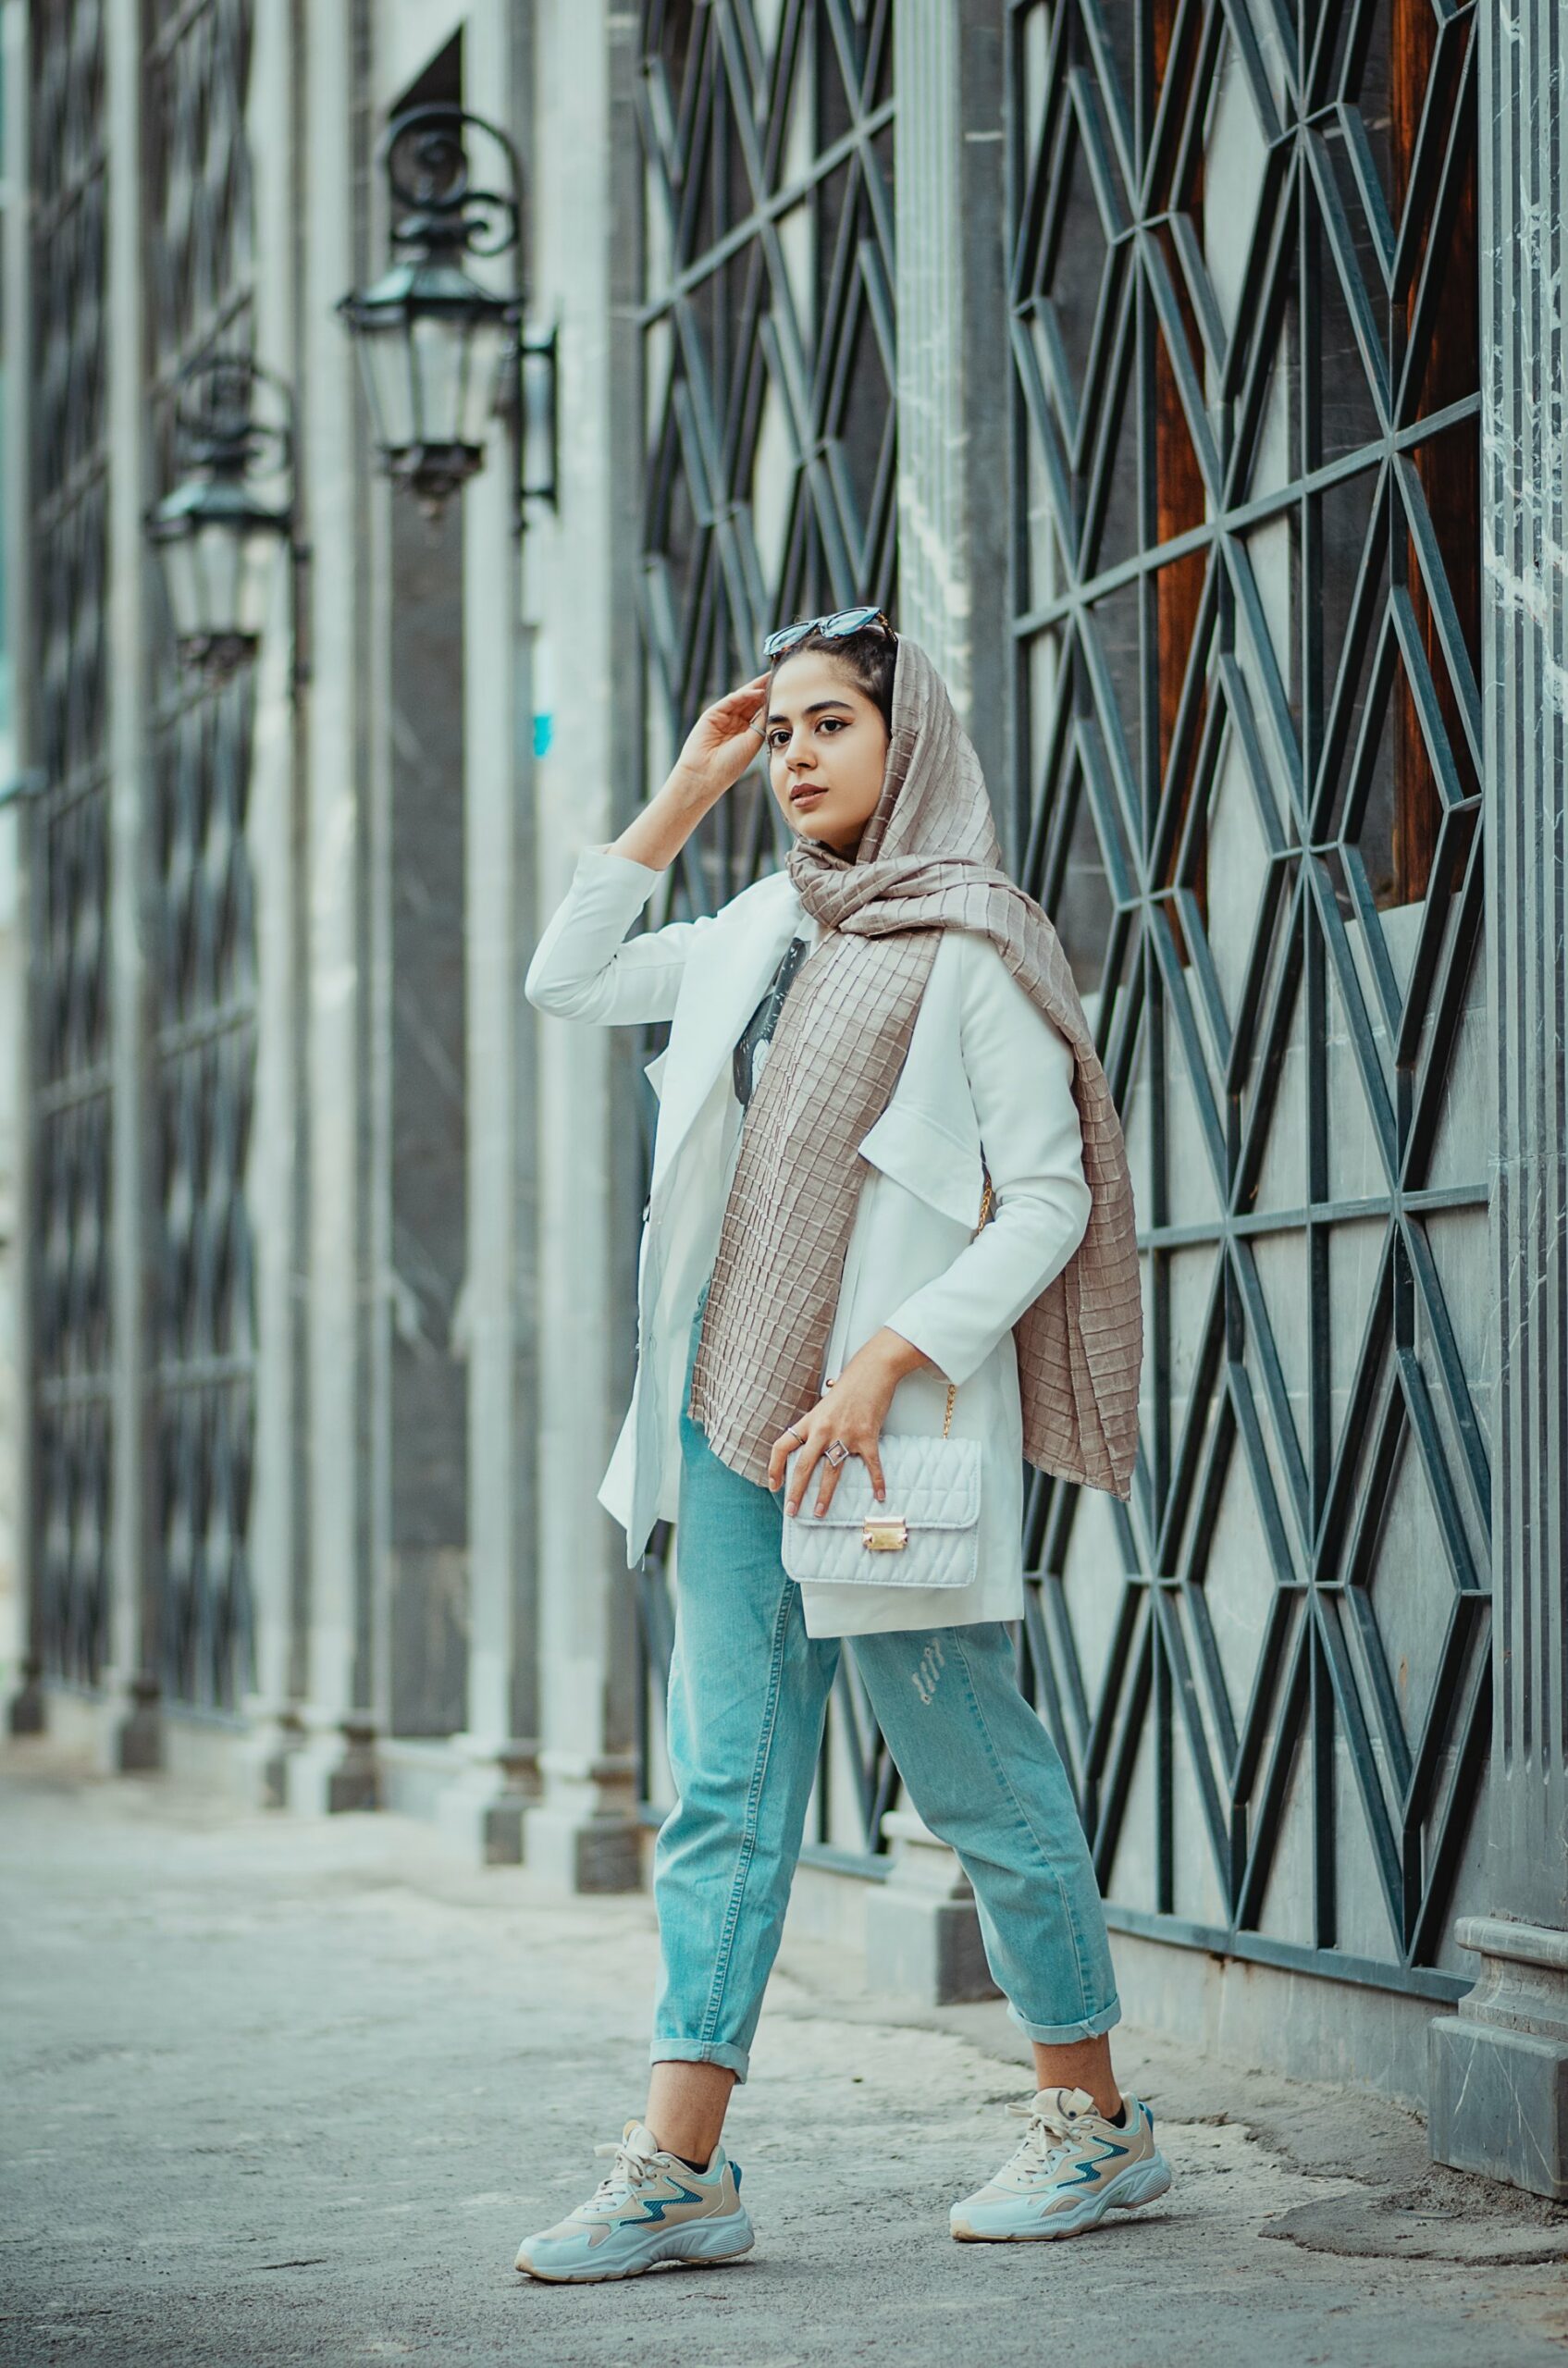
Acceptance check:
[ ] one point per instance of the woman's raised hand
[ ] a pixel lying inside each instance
(718, 750)
(723, 740)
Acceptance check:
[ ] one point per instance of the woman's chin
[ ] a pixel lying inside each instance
(825, 834)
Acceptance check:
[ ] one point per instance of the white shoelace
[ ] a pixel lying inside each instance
(1051, 2134)
(632, 2167)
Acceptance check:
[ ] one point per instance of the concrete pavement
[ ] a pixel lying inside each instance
(280, 2089)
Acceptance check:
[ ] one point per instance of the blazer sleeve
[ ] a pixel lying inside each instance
(582, 969)
(1019, 1068)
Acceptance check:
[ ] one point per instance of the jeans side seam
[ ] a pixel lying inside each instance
(1027, 1823)
(748, 1830)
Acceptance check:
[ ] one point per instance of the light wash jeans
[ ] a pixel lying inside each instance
(747, 1700)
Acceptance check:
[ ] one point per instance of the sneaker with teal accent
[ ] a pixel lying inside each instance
(649, 2208)
(1071, 2167)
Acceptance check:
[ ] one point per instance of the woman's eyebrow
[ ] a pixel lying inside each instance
(817, 706)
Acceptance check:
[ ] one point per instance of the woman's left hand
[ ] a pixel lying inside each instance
(853, 1409)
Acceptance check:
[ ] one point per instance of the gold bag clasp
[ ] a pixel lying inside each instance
(887, 1535)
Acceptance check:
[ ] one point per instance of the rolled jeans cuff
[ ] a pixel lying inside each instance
(702, 2050)
(1065, 2034)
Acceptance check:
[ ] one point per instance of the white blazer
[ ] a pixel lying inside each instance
(984, 1066)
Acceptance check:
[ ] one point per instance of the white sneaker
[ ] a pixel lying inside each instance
(1071, 2168)
(650, 2208)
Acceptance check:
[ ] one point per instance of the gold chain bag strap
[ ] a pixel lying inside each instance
(926, 1533)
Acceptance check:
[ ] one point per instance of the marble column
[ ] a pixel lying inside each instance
(276, 1171)
(923, 1933)
(583, 1832)
(335, 1766)
(953, 358)
(499, 1746)
(1500, 2068)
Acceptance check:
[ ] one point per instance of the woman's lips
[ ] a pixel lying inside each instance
(806, 797)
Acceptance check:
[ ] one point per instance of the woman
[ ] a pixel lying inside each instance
(858, 1041)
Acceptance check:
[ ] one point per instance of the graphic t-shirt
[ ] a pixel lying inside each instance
(757, 1035)
(751, 1049)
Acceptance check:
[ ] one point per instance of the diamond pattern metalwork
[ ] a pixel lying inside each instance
(204, 1345)
(770, 448)
(69, 990)
(1247, 608)
(768, 360)
(199, 267)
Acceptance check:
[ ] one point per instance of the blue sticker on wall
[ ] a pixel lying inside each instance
(544, 733)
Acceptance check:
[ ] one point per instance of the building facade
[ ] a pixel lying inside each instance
(1186, 376)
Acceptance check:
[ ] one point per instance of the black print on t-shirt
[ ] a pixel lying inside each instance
(752, 1050)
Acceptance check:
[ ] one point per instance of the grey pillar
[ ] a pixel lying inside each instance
(923, 1933)
(500, 1744)
(1499, 2069)
(277, 1148)
(953, 539)
(334, 1767)
(583, 1832)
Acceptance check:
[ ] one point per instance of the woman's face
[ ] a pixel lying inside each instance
(827, 750)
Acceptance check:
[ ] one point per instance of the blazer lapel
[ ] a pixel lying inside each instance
(726, 972)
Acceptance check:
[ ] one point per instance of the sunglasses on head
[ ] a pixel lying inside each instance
(833, 628)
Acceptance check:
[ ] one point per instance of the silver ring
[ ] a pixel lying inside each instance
(794, 1435)
(835, 1453)
(760, 729)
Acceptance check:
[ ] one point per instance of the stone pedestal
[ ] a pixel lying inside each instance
(273, 1736)
(24, 1712)
(583, 1835)
(922, 1929)
(482, 1811)
(138, 1736)
(1498, 2096)
(332, 1771)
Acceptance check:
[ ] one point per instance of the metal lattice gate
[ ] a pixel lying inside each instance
(767, 383)
(1247, 596)
(203, 1054)
(72, 1438)
(193, 1030)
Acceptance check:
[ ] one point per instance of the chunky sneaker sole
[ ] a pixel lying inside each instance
(1140, 2183)
(696, 2242)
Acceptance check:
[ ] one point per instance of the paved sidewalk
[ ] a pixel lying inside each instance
(280, 2090)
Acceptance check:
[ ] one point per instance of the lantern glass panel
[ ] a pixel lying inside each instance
(219, 544)
(258, 564)
(182, 583)
(387, 364)
(438, 345)
(486, 343)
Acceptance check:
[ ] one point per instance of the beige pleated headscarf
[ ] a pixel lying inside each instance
(929, 859)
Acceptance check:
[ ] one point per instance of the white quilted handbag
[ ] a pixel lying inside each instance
(926, 1532)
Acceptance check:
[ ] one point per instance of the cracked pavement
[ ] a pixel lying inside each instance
(283, 2090)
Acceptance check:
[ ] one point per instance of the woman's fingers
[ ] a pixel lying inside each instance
(800, 1479)
(780, 1452)
(814, 1434)
(738, 708)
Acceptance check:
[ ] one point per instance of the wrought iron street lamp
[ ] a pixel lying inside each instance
(217, 534)
(435, 347)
